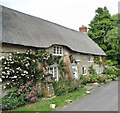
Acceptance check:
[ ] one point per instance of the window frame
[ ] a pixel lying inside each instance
(53, 71)
(78, 58)
(57, 50)
(84, 70)
(90, 58)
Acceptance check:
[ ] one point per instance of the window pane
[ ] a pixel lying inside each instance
(57, 50)
(60, 50)
(78, 56)
(54, 50)
(84, 71)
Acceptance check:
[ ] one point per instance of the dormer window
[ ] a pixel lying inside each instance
(58, 50)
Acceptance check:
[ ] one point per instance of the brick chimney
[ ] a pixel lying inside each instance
(83, 29)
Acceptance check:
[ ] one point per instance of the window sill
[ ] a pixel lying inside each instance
(58, 54)
(90, 61)
(84, 74)
(78, 60)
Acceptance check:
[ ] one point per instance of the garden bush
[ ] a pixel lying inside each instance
(21, 71)
(22, 95)
(113, 70)
(19, 68)
(63, 86)
(13, 100)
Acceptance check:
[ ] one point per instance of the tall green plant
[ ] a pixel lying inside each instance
(99, 27)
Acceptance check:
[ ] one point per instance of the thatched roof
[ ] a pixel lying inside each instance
(23, 29)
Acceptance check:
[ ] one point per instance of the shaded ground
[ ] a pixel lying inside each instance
(104, 98)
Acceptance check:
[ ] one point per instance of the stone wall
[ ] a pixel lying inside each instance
(83, 61)
(9, 48)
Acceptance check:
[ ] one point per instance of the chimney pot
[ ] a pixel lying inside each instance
(83, 29)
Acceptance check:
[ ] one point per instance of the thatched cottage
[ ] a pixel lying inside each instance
(22, 31)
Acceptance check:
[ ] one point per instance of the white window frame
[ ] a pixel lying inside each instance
(84, 70)
(97, 69)
(78, 58)
(90, 58)
(57, 50)
(53, 69)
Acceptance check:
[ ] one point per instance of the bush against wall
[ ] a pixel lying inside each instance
(64, 86)
(19, 68)
(21, 71)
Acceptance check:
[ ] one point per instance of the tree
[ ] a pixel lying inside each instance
(113, 41)
(99, 27)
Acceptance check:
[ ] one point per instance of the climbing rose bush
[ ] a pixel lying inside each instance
(19, 68)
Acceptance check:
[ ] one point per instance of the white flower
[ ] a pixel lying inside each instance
(5, 62)
(25, 72)
(8, 72)
(3, 77)
(2, 57)
(26, 65)
(6, 67)
(12, 70)
(14, 77)
(0, 80)
(18, 68)
(4, 87)
(8, 83)
(3, 72)
(33, 60)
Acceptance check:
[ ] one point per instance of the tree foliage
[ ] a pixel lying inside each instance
(104, 31)
(113, 40)
(99, 27)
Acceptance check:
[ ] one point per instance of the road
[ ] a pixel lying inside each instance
(104, 98)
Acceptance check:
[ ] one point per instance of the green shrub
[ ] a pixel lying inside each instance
(92, 70)
(25, 93)
(93, 79)
(111, 70)
(13, 100)
(102, 79)
(63, 86)
(86, 80)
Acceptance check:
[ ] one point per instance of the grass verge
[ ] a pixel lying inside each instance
(44, 105)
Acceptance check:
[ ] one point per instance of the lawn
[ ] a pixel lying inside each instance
(44, 104)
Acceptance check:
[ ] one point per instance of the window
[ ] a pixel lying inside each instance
(57, 50)
(90, 58)
(97, 68)
(78, 57)
(84, 71)
(54, 71)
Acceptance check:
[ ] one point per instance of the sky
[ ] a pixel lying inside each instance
(68, 13)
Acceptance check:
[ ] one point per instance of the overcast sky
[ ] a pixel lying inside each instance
(69, 13)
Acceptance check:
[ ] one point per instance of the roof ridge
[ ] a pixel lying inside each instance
(39, 18)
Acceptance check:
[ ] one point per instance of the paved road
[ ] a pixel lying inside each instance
(104, 98)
